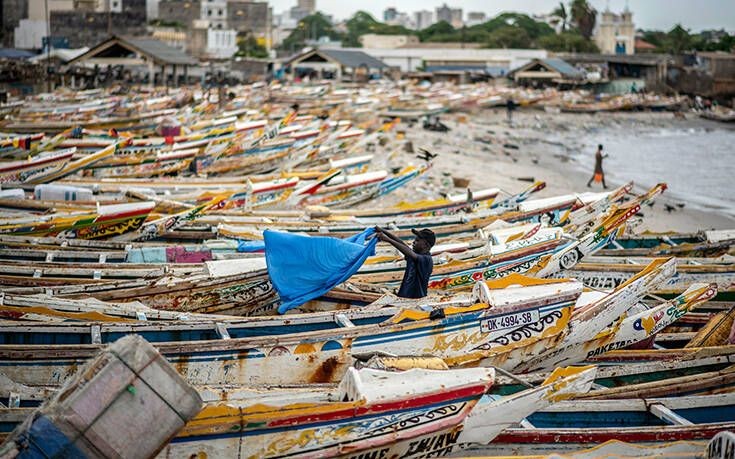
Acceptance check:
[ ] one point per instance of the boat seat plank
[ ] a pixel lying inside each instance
(666, 415)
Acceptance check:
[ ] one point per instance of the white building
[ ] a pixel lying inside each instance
(451, 15)
(29, 34)
(615, 34)
(372, 40)
(221, 43)
(496, 61)
(214, 12)
(423, 19)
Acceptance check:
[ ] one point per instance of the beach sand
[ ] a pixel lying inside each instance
(488, 151)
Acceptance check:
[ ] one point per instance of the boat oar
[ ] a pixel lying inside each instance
(513, 377)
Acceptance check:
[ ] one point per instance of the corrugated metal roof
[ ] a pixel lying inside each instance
(563, 67)
(353, 59)
(160, 51)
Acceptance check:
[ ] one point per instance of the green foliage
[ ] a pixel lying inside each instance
(654, 37)
(162, 23)
(678, 40)
(584, 16)
(509, 37)
(312, 27)
(249, 47)
(726, 44)
(362, 23)
(562, 13)
(520, 21)
(567, 42)
(441, 28)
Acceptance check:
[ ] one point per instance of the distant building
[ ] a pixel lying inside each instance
(185, 13)
(451, 15)
(451, 56)
(252, 18)
(372, 40)
(615, 34)
(389, 14)
(423, 19)
(89, 22)
(547, 71)
(475, 17)
(643, 46)
(713, 36)
(308, 5)
(334, 64)
(215, 13)
(208, 42)
(297, 13)
(11, 13)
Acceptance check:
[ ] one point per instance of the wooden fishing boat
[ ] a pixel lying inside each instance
(514, 257)
(435, 422)
(144, 165)
(710, 243)
(538, 255)
(630, 330)
(46, 308)
(340, 191)
(105, 222)
(316, 347)
(620, 375)
(607, 275)
(102, 123)
(445, 225)
(467, 330)
(370, 412)
(54, 273)
(239, 287)
(13, 173)
(514, 350)
(578, 424)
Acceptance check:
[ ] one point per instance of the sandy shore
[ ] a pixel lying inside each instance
(488, 151)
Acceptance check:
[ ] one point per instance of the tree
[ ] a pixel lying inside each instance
(441, 28)
(312, 27)
(533, 28)
(570, 42)
(509, 37)
(678, 40)
(362, 23)
(249, 47)
(584, 16)
(562, 13)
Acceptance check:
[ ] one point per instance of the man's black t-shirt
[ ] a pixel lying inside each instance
(415, 282)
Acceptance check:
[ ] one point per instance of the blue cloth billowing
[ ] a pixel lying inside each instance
(250, 246)
(304, 267)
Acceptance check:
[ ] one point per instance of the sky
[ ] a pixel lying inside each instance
(694, 15)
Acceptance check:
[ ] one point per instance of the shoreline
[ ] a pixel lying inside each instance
(488, 151)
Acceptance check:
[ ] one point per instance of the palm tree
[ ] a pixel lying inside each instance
(561, 12)
(584, 16)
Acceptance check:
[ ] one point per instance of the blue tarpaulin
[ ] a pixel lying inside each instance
(302, 268)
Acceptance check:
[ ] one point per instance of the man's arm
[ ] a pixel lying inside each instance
(396, 242)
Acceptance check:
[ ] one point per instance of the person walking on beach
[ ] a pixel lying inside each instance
(415, 283)
(510, 106)
(598, 175)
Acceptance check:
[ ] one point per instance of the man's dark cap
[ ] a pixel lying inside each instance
(425, 234)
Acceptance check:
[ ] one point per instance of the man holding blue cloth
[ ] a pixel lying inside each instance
(415, 283)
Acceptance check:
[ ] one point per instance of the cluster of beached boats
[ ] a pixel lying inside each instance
(550, 326)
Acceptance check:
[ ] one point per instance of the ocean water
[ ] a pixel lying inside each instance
(697, 164)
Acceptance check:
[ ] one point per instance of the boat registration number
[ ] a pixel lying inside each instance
(517, 319)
